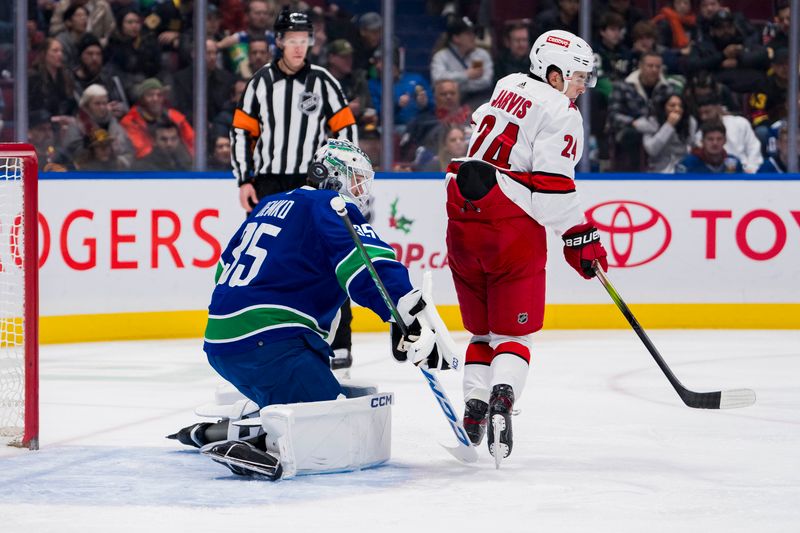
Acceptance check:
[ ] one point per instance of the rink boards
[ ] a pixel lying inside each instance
(134, 256)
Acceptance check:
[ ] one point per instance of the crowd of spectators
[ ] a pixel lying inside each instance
(693, 87)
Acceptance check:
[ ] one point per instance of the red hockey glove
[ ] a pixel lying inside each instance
(581, 247)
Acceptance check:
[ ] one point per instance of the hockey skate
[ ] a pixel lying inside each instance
(500, 441)
(244, 459)
(475, 420)
(193, 435)
(341, 363)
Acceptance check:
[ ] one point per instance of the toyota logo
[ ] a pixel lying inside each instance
(637, 232)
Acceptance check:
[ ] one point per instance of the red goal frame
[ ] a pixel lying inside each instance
(30, 260)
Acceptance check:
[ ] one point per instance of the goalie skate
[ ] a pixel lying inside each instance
(501, 404)
(244, 459)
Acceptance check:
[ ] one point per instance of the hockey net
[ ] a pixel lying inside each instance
(19, 316)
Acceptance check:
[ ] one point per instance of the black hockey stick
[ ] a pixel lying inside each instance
(727, 399)
(464, 451)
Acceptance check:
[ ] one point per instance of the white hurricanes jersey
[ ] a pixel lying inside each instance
(533, 135)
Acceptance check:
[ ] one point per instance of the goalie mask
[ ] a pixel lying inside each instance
(565, 51)
(341, 166)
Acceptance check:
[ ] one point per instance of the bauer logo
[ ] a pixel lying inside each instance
(381, 401)
(635, 233)
(558, 40)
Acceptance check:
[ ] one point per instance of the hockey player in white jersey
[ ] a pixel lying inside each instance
(517, 179)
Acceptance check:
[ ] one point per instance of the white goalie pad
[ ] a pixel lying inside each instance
(327, 437)
(230, 404)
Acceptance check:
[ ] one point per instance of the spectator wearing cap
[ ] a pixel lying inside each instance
(702, 86)
(149, 110)
(101, 21)
(370, 26)
(95, 114)
(562, 17)
(768, 101)
(730, 55)
(463, 61)
(168, 154)
(90, 71)
(76, 21)
(710, 157)
(50, 85)
(629, 107)
(778, 163)
(218, 82)
(412, 94)
(707, 10)
(132, 55)
(98, 153)
(353, 81)
(515, 54)
(41, 136)
(740, 139)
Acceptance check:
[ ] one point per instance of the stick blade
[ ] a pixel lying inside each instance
(465, 454)
(736, 398)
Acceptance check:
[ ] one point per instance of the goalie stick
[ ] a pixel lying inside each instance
(464, 451)
(727, 399)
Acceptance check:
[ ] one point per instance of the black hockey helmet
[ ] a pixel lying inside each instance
(293, 21)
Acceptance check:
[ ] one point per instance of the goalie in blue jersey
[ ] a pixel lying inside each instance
(280, 283)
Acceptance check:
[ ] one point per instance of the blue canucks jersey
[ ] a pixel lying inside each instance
(288, 269)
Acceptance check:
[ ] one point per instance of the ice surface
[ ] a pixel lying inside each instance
(603, 443)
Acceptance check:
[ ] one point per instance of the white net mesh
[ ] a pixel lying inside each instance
(12, 302)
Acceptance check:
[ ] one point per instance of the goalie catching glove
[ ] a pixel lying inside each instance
(427, 343)
(581, 247)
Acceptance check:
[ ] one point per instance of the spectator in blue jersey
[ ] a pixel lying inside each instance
(710, 157)
(272, 314)
(412, 94)
(779, 162)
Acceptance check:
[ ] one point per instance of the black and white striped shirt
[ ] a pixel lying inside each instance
(281, 120)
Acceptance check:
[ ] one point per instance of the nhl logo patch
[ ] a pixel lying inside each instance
(309, 102)
(522, 318)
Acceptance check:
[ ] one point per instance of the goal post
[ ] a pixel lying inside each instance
(19, 296)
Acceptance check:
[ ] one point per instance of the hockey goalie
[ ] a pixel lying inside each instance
(280, 283)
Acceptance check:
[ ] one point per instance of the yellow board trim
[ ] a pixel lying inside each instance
(191, 324)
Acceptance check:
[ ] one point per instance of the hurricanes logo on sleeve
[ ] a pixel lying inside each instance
(309, 102)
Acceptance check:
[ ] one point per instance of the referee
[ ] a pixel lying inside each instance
(287, 111)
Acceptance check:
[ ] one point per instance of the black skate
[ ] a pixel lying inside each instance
(341, 362)
(244, 459)
(194, 435)
(475, 420)
(501, 403)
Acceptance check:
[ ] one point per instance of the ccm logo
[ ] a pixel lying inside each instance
(582, 240)
(381, 401)
(559, 41)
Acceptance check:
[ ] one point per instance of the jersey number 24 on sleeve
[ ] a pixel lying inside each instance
(499, 150)
(235, 271)
(571, 147)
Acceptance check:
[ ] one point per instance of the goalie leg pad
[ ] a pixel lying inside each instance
(333, 436)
